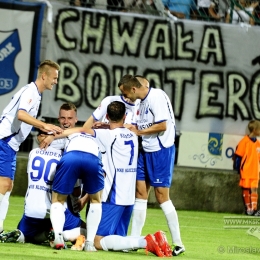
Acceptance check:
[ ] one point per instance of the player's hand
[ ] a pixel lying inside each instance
(100, 125)
(41, 137)
(132, 128)
(78, 206)
(46, 142)
(49, 128)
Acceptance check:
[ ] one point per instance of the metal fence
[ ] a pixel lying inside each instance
(228, 11)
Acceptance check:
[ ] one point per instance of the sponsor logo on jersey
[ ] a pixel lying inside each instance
(9, 49)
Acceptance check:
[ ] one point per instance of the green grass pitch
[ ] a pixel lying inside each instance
(203, 233)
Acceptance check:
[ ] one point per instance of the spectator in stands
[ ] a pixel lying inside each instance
(83, 3)
(182, 9)
(142, 6)
(242, 13)
(203, 9)
(218, 9)
(116, 5)
(257, 15)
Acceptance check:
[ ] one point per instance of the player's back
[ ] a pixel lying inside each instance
(41, 169)
(121, 147)
(100, 113)
(82, 142)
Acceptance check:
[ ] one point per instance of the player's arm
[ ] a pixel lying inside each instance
(23, 116)
(89, 123)
(154, 129)
(46, 142)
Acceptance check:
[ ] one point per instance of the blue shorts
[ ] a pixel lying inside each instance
(34, 226)
(115, 220)
(7, 160)
(156, 167)
(76, 165)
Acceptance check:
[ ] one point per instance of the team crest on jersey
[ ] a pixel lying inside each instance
(29, 101)
(9, 48)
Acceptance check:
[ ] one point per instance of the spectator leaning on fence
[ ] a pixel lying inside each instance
(180, 8)
(241, 12)
(218, 10)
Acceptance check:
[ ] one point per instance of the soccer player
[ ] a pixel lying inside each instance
(120, 146)
(81, 160)
(16, 122)
(35, 223)
(100, 113)
(155, 123)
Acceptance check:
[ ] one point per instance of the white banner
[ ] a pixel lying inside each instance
(207, 150)
(210, 71)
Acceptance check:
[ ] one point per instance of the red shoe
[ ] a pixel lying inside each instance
(152, 246)
(163, 243)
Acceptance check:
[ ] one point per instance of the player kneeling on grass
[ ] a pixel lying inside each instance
(35, 225)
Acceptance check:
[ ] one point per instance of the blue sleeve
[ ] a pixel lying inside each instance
(237, 162)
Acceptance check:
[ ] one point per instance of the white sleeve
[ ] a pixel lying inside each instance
(26, 100)
(101, 111)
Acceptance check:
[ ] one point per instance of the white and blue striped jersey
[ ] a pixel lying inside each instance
(28, 98)
(155, 108)
(120, 146)
(41, 169)
(100, 113)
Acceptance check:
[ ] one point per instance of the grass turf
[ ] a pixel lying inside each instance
(202, 233)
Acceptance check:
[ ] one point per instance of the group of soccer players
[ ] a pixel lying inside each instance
(103, 162)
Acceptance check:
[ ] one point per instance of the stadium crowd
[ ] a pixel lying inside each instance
(226, 11)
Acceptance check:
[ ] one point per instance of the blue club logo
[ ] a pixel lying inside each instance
(9, 49)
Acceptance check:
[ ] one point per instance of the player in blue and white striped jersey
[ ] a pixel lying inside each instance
(100, 113)
(121, 149)
(16, 123)
(155, 123)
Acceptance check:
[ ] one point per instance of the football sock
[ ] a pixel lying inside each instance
(57, 217)
(254, 199)
(117, 243)
(93, 220)
(4, 205)
(247, 198)
(71, 235)
(138, 217)
(172, 221)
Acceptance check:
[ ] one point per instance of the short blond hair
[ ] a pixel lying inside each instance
(253, 125)
(46, 65)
